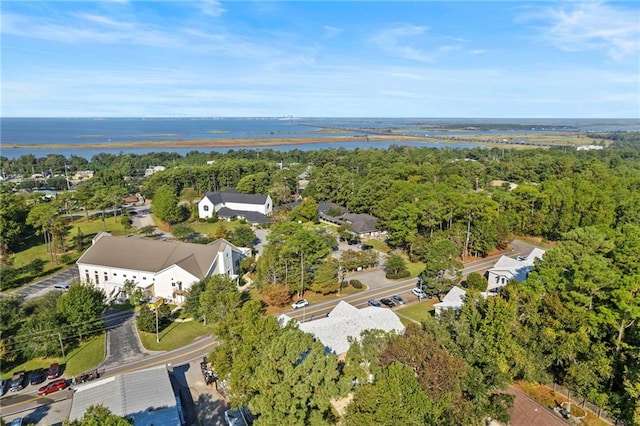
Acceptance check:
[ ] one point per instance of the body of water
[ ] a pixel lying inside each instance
(70, 131)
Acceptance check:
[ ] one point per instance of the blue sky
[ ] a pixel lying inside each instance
(321, 59)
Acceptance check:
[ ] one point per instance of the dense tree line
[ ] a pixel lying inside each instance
(35, 328)
(574, 321)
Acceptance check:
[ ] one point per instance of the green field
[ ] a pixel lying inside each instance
(176, 335)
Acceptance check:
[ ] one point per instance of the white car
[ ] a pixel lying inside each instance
(419, 292)
(300, 304)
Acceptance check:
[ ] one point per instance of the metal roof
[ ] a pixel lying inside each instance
(146, 395)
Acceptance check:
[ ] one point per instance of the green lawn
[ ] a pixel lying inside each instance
(176, 335)
(378, 245)
(415, 268)
(85, 357)
(417, 311)
(207, 229)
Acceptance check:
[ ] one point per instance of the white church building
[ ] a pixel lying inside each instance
(254, 208)
(164, 269)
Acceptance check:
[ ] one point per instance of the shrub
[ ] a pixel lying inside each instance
(66, 259)
(356, 284)
(398, 275)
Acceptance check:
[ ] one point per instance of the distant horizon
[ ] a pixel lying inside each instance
(286, 117)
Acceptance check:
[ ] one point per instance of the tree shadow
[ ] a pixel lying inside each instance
(38, 414)
(210, 409)
(181, 389)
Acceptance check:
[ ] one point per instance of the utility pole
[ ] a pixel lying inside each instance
(157, 334)
(61, 346)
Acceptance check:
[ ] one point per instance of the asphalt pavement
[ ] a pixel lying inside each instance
(123, 345)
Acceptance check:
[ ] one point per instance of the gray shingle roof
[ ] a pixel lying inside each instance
(152, 255)
(251, 217)
(361, 222)
(232, 196)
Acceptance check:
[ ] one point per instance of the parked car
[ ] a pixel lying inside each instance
(300, 304)
(354, 241)
(387, 302)
(53, 372)
(419, 292)
(62, 287)
(18, 381)
(53, 386)
(4, 386)
(374, 302)
(365, 247)
(16, 422)
(38, 376)
(397, 299)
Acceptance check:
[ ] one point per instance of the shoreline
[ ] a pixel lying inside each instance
(541, 140)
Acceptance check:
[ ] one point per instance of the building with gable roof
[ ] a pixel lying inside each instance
(361, 224)
(164, 269)
(254, 208)
(346, 321)
(507, 269)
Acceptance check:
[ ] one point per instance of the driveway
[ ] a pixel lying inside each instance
(261, 235)
(123, 343)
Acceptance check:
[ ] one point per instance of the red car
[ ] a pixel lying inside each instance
(53, 372)
(50, 387)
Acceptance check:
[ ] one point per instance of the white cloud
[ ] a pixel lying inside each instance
(330, 32)
(590, 26)
(394, 41)
(212, 8)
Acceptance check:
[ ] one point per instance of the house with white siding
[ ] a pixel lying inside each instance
(507, 269)
(164, 269)
(254, 208)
